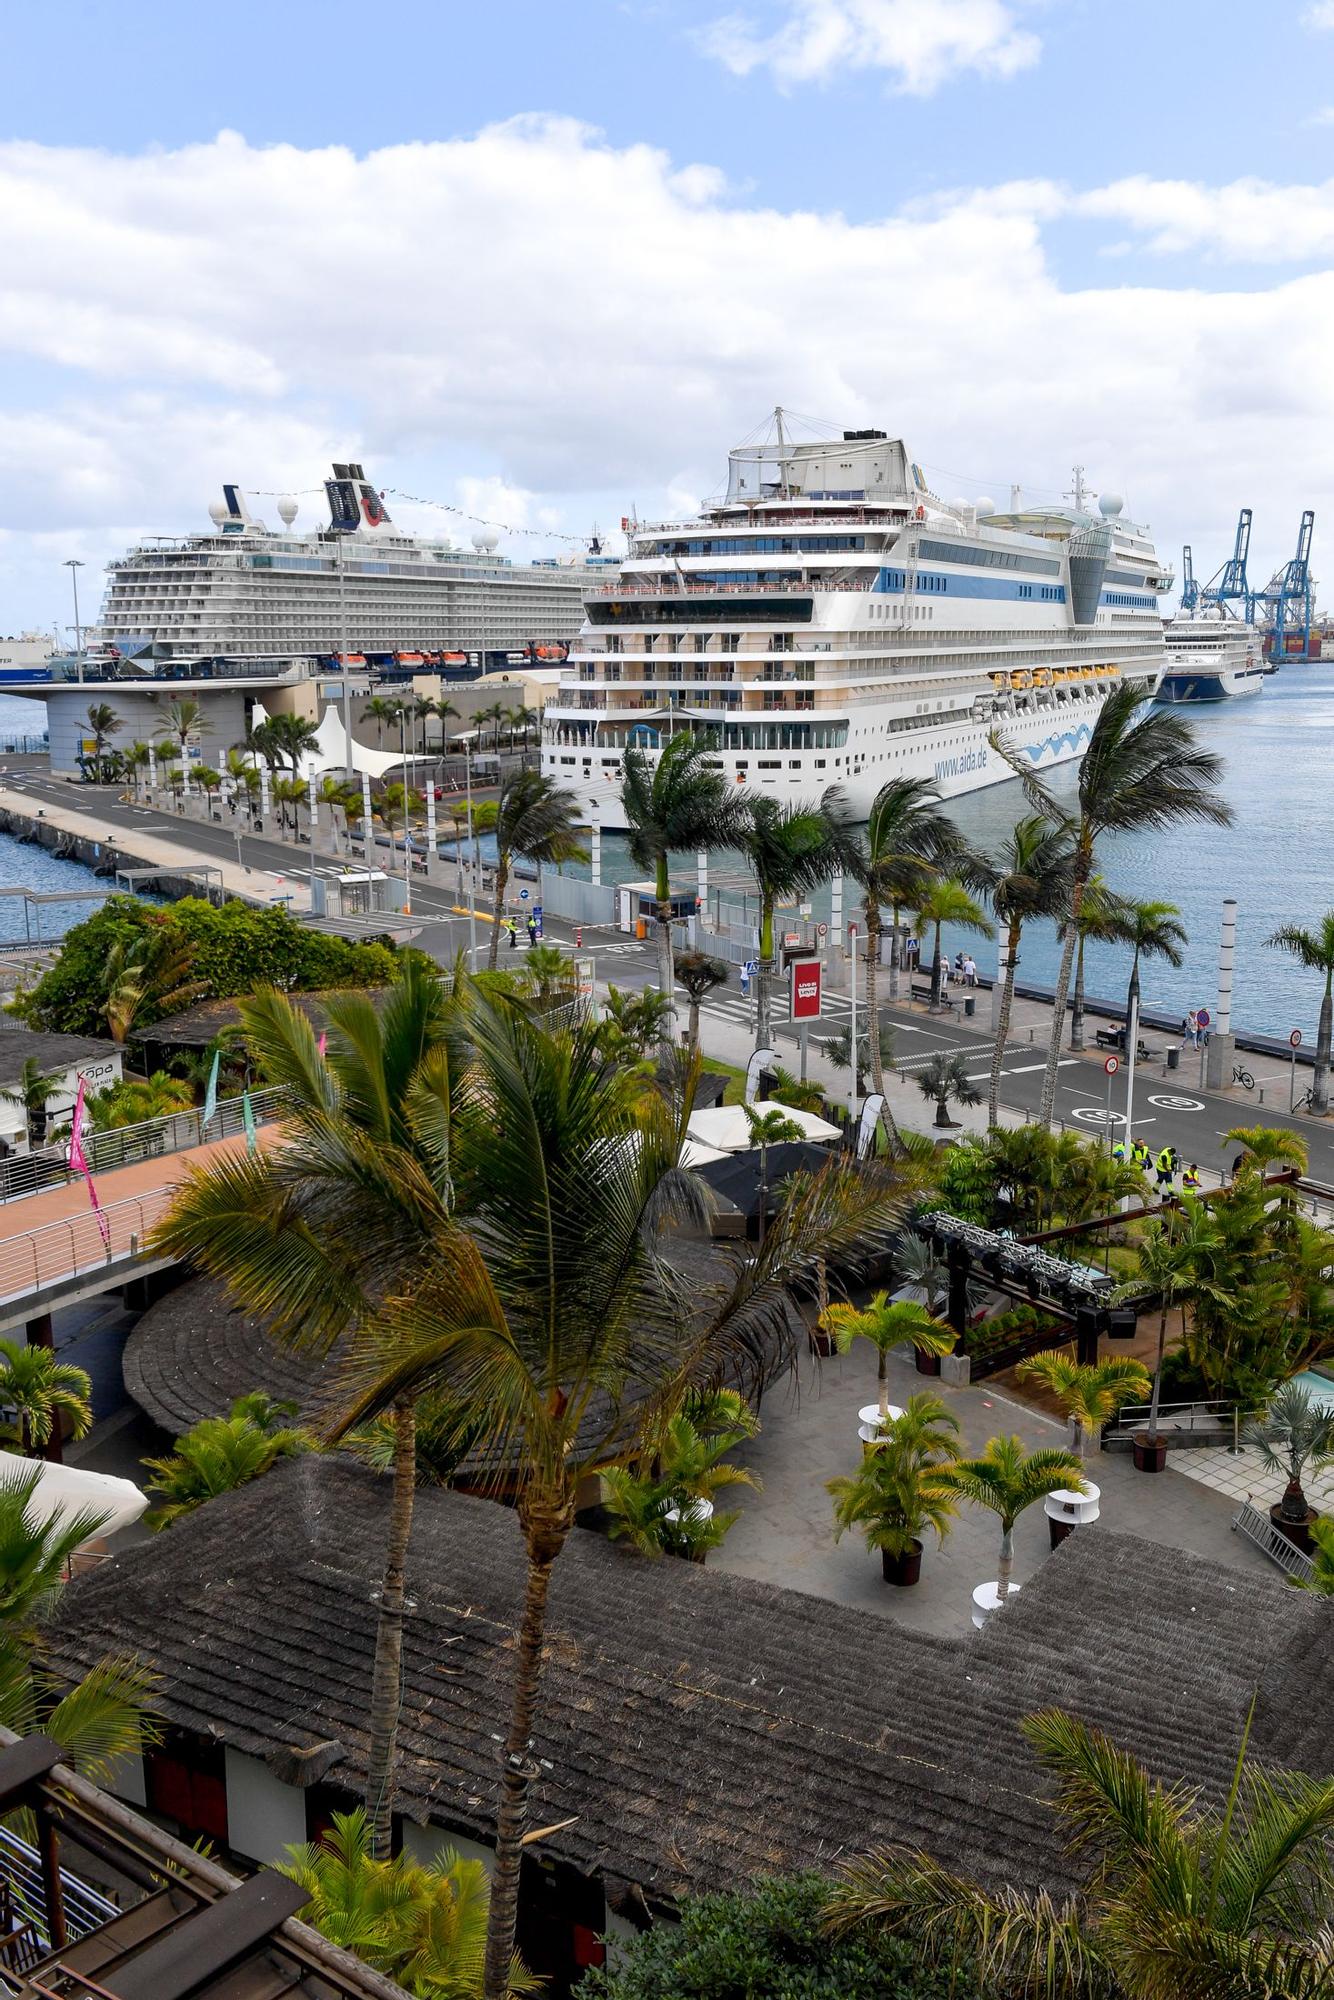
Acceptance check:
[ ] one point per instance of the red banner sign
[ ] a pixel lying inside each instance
(804, 988)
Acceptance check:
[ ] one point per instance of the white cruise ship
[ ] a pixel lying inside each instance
(360, 586)
(1211, 656)
(833, 622)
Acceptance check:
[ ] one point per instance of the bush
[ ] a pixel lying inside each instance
(231, 951)
(768, 1944)
(1008, 1329)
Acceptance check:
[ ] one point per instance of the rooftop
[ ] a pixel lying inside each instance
(700, 1728)
(53, 1054)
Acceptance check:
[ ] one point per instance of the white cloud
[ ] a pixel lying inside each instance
(918, 44)
(541, 328)
(1320, 16)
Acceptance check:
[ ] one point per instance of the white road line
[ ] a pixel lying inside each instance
(1027, 1069)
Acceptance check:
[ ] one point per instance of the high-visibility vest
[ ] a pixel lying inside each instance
(1165, 1160)
(1190, 1179)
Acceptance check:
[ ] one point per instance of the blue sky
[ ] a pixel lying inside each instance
(1021, 231)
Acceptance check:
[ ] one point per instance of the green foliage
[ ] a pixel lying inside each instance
(39, 1394)
(229, 951)
(631, 1023)
(1008, 1329)
(1322, 1555)
(898, 1490)
(767, 1943)
(220, 1454)
(135, 1099)
(686, 1468)
(1027, 1179)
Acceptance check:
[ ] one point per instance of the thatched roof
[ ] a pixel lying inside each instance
(698, 1728)
(195, 1027)
(53, 1054)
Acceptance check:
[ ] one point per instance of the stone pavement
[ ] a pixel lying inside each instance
(1243, 1475)
(809, 1434)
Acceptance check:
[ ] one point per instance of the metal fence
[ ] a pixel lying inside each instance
(128, 1145)
(21, 1869)
(76, 1246)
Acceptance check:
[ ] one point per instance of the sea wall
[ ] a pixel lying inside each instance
(105, 857)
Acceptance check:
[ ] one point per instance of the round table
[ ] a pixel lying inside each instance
(986, 1603)
(1067, 1510)
(869, 1424)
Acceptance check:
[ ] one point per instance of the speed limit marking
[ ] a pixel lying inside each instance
(1112, 1065)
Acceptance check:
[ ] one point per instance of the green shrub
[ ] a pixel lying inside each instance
(768, 1944)
(990, 1336)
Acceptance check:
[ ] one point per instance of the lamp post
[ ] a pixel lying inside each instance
(73, 565)
(472, 878)
(403, 787)
(342, 660)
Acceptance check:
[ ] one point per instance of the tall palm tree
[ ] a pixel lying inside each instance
(1153, 930)
(316, 1235)
(103, 723)
(292, 792)
(886, 1325)
(380, 710)
(1140, 774)
(180, 720)
(701, 975)
(137, 759)
(1184, 1900)
(946, 901)
(1103, 919)
(1313, 948)
(678, 802)
(1179, 1257)
(42, 1399)
(423, 708)
(536, 819)
(31, 1094)
(337, 796)
(791, 849)
(442, 711)
(393, 806)
(1032, 879)
(550, 1314)
(294, 737)
(907, 841)
(1008, 1480)
(1090, 1393)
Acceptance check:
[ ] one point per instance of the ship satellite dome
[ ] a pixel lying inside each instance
(485, 541)
(217, 513)
(984, 505)
(961, 506)
(287, 510)
(1110, 506)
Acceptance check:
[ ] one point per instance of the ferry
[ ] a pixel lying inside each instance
(1211, 656)
(832, 621)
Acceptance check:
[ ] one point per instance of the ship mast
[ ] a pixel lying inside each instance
(782, 450)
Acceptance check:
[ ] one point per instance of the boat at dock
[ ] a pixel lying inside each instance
(1211, 656)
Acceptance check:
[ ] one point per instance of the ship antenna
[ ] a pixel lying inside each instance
(782, 449)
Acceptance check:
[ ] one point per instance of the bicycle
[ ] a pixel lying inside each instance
(1307, 1097)
(1243, 1077)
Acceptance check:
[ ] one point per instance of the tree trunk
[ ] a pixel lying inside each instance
(1048, 1105)
(1005, 1565)
(666, 975)
(498, 908)
(764, 978)
(693, 1029)
(1077, 1010)
(873, 934)
(895, 955)
(1156, 1397)
(936, 972)
(387, 1676)
(545, 1536)
(1003, 1024)
(1320, 1080)
(1132, 1000)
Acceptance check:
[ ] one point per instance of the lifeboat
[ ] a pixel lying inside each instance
(1000, 680)
(1021, 679)
(1042, 677)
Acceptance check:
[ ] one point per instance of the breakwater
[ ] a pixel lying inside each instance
(37, 854)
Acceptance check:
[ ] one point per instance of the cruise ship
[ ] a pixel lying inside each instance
(832, 621)
(359, 586)
(1211, 656)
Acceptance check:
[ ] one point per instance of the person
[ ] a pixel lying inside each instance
(532, 930)
(1190, 1179)
(1141, 1155)
(970, 970)
(959, 967)
(1167, 1166)
(511, 932)
(1119, 1152)
(1190, 1030)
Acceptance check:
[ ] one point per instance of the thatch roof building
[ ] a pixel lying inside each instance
(696, 1728)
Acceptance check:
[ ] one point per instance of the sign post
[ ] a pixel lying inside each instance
(1294, 1043)
(1111, 1066)
(805, 1000)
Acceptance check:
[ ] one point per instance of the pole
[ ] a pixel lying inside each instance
(73, 565)
(472, 884)
(805, 1047)
(1220, 1031)
(403, 787)
(852, 1046)
(342, 661)
(1292, 1084)
(1110, 1074)
(1132, 1045)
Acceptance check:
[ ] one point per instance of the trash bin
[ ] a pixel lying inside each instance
(641, 928)
(1173, 1058)
(970, 1005)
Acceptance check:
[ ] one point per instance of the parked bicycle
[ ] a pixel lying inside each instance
(1243, 1077)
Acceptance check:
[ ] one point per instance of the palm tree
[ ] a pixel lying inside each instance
(1032, 879)
(337, 796)
(1321, 1580)
(443, 710)
(316, 1235)
(667, 1503)
(769, 1127)
(1266, 1146)
(798, 1096)
(138, 758)
(1294, 1432)
(393, 805)
(1184, 1900)
(104, 1716)
(1007, 1480)
(379, 711)
(872, 1049)
(219, 1454)
(945, 1079)
(31, 1094)
(1314, 950)
(1103, 919)
(1090, 1393)
(537, 820)
(291, 792)
(1137, 776)
(179, 722)
(700, 974)
(104, 723)
(208, 780)
(423, 708)
(293, 736)
(425, 1927)
(679, 802)
(907, 843)
(1154, 931)
(887, 1325)
(495, 715)
(944, 900)
(791, 849)
(1178, 1254)
(897, 1491)
(136, 1099)
(548, 1311)
(42, 1399)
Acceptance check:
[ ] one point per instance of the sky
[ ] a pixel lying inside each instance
(545, 265)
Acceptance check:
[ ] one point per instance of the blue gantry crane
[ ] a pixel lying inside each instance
(1190, 589)
(1284, 607)
(1229, 584)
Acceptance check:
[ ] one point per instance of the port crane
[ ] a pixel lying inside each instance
(1190, 589)
(1286, 603)
(1229, 584)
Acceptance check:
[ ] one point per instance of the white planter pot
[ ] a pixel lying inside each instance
(986, 1601)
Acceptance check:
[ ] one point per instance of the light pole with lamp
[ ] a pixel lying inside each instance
(472, 877)
(403, 787)
(342, 660)
(73, 565)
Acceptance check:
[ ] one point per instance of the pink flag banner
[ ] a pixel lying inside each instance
(78, 1160)
(324, 1043)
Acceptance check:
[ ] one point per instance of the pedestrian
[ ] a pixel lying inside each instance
(511, 932)
(944, 965)
(1167, 1167)
(1190, 1030)
(1141, 1155)
(970, 970)
(959, 967)
(1190, 1179)
(1119, 1152)
(532, 930)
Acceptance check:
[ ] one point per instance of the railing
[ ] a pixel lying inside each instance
(670, 587)
(1258, 1528)
(75, 1247)
(127, 1145)
(1218, 1422)
(21, 1867)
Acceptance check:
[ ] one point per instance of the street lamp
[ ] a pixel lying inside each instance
(73, 565)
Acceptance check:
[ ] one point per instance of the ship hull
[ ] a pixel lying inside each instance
(1195, 685)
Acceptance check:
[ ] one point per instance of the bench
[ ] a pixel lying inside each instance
(1115, 1038)
(921, 990)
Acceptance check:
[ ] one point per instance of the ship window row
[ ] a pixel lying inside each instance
(764, 545)
(980, 557)
(762, 611)
(1129, 600)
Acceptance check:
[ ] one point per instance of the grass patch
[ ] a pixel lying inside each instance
(736, 1086)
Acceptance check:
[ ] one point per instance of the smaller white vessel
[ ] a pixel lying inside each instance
(1210, 656)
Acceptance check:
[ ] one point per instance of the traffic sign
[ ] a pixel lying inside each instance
(1296, 1038)
(1203, 1017)
(750, 967)
(1112, 1065)
(804, 989)
(822, 930)
(523, 895)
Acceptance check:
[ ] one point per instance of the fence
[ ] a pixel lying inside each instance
(577, 901)
(1199, 1423)
(179, 1132)
(75, 1247)
(21, 1869)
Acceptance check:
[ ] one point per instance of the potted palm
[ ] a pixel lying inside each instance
(899, 1490)
(1295, 1433)
(667, 1507)
(886, 1325)
(1090, 1394)
(1007, 1480)
(944, 1080)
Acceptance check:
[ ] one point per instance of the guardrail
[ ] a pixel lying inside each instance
(1217, 1420)
(75, 1247)
(84, 1909)
(128, 1145)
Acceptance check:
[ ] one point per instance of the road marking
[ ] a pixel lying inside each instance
(1027, 1069)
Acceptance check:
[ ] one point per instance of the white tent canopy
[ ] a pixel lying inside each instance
(726, 1128)
(62, 1492)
